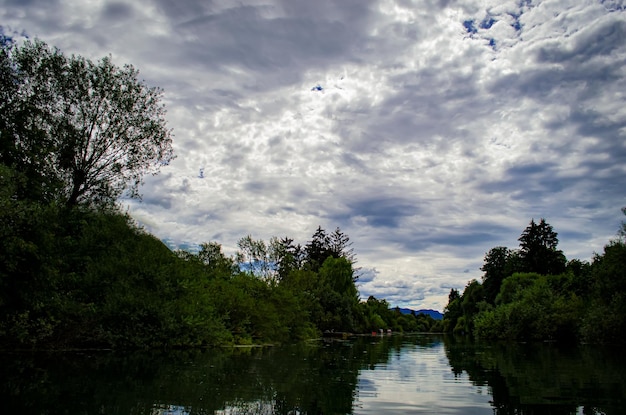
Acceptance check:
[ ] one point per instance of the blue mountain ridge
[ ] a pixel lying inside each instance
(433, 313)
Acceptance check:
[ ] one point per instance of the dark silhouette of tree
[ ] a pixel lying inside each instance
(319, 249)
(538, 250)
(494, 268)
(287, 256)
(84, 132)
(341, 247)
(453, 311)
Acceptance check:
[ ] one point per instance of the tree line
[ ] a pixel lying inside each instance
(535, 293)
(76, 272)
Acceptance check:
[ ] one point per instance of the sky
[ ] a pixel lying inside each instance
(428, 131)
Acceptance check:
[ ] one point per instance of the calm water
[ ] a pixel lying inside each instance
(369, 375)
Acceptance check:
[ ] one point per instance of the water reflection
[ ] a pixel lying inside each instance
(417, 380)
(408, 375)
(542, 378)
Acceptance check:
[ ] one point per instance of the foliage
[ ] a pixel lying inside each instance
(531, 308)
(83, 132)
(606, 319)
(538, 250)
(495, 270)
(551, 300)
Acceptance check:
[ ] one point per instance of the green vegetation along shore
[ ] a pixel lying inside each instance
(535, 293)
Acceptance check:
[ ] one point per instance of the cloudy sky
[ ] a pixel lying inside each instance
(440, 128)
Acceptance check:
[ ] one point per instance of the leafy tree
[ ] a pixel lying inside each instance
(606, 319)
(286, 256)
(514, 263)
(581, 280)
(8, 78)
(322, 246)
(531, 308)
(253, 256)
(514, 285)
(495, 270)
(473, 295)
(538, 250)
(461, 309)
(375, 314)
(341, 246)
(338, 295)
(85, 131)
(318, 249)
(219, 264)
(453, 310)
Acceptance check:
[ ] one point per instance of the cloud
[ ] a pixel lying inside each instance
(443, 127)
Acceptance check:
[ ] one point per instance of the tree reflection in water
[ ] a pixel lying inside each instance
(309, 378)
(544, 378)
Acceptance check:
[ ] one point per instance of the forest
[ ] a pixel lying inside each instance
(534, 293)
(77, 272)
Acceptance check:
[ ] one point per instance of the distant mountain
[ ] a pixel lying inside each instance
(433, 313)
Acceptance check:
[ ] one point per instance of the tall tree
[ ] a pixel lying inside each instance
(453, 310)
(341, 247)
(323, 245)
(319, 249)
(216, 262)
(494, 268)
(538, 250)
(253, 256)
(286, 256)
(338, 295)
(89, 131)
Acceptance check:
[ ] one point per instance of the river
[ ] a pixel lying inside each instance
(413, 374)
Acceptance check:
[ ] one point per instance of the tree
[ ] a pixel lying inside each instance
(318, 249)
(84, 131)
(216, 262)
(322, 246)
(473, 295)
(538, 250)
(494, 269)
(338, 294)
(286, 255)
(253, 256)
(341, 247)
(453, 310)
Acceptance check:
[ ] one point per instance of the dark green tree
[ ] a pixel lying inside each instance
(495, 270)
(341, 246)
(338, 295)
(514, 263)
(453, 311)
(219, 264)
(254, 256)
(318, 249)
(376, 314)
(85, 131)
(286, 255)
(538, 249)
